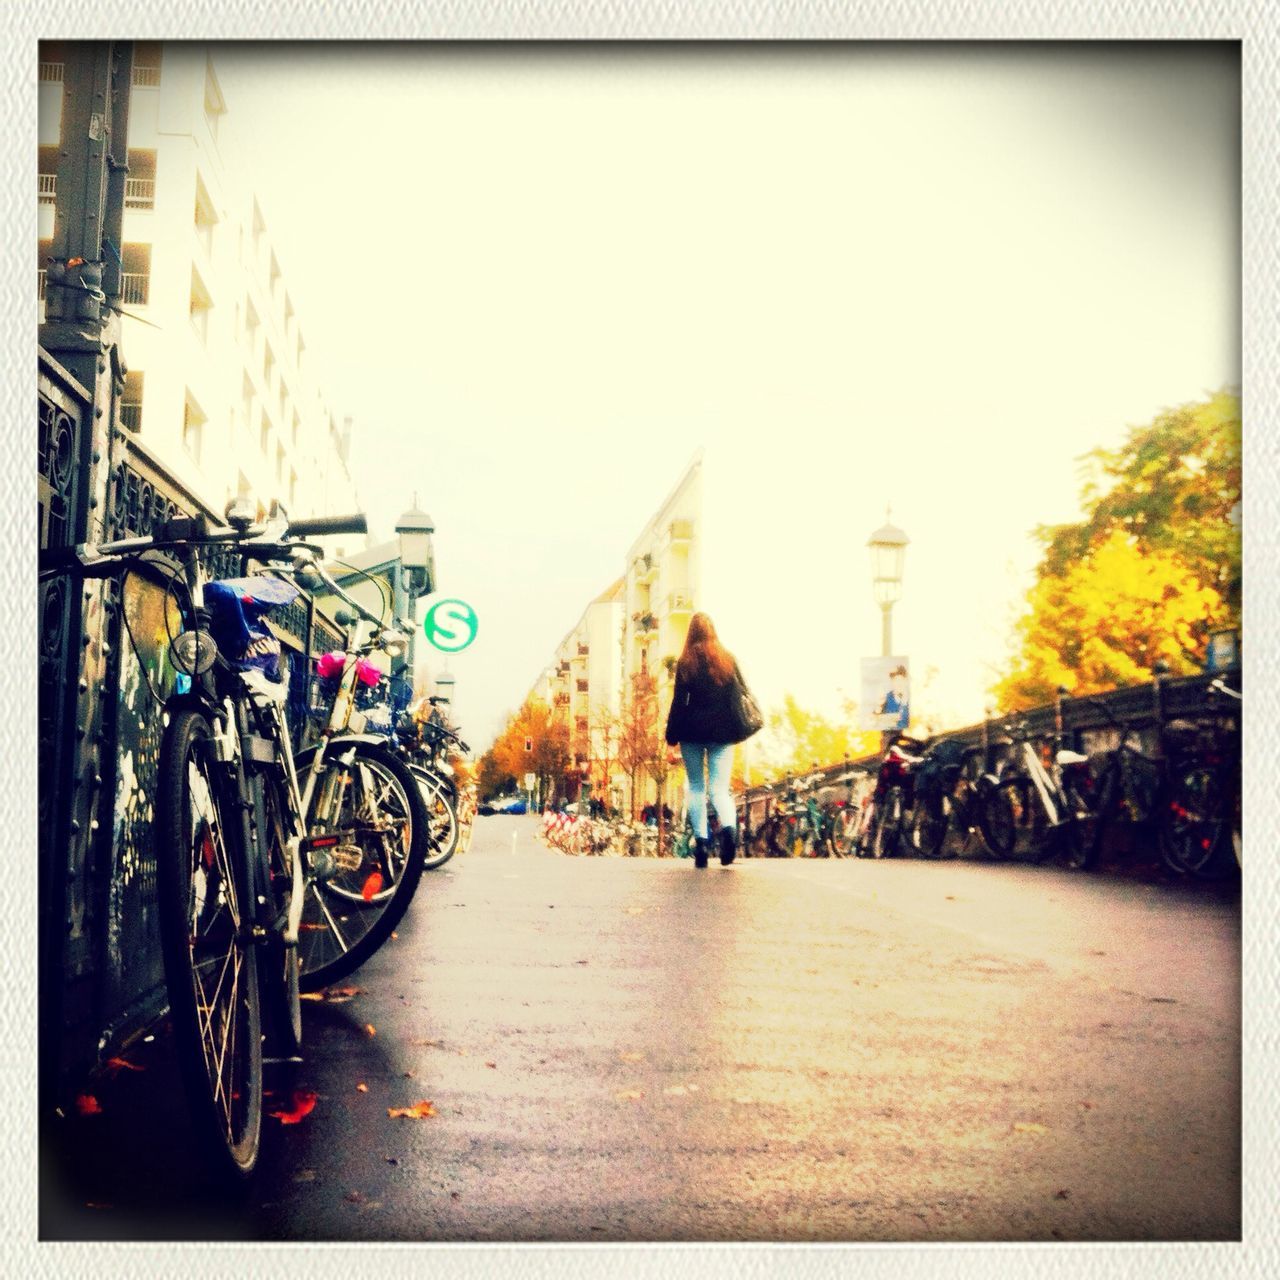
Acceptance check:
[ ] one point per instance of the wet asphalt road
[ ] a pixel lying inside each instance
(628, 1049)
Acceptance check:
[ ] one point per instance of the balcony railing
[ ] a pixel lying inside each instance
(144, 77)
(139, 193)
(131, 416)
(51, 71)
(135, 288)
(40, 293)
(48, 188)
(679, 602)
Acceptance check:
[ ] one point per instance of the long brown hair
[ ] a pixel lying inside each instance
(704, 657)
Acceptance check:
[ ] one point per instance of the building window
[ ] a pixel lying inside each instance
(264, 434)
(268, 367)
(214, 107)
(582, 686)
(52, 62)
(48, 175)
(293, 488)
(146, 65)
(193, 421)
(135, 276)
(131, 401)
(140, 185)
(206, 217)
(251, 324)
(581, 725)
(201, 305)
(280, 462)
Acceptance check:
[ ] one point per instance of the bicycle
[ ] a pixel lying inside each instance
(1034, 811)
(798, 827)
(950, 793)
(245, 845)
(886, 812)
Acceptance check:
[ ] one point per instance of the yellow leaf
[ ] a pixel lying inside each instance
(1026, 1126)
(629, 1095)
(419, 1111)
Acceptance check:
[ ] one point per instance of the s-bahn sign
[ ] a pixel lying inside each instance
(451, 625)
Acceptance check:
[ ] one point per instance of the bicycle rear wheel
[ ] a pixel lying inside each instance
(1012, 818)
(929, 823)
(1196, 827)
(204, 896)
(278, 963)
(370, 801)
(843, 830)
(888, 817)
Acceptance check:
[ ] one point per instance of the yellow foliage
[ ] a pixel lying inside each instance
(1106, 620)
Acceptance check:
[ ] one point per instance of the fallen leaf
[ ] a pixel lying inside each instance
(427, 1044)
(304, 1102)
(312, 995)
(1026, 1126)
(493, 1066)
(1064, 1194)
(631, 1057)
(455, 1195)
(582, 962)
(394, 934)
(305, 1175)
(88, 1105)
(362, 1088)
(368, 1029)
(338, 995)
(419, 1111)
(676, 1091)
(372, 886)
(1161, 1000)
(354, 1197)
(408, 1075)
(635, 911)
(391, 1159)
(115, 1065)
(1088, 1106)
(629, 1095)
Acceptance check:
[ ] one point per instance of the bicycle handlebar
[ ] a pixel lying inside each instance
(320, 526)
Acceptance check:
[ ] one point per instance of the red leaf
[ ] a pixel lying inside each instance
(304, 1101)
(88, 1105)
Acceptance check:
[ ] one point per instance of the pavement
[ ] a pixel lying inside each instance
(784, 1050)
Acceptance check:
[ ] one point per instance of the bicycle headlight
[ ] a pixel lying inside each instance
(193, 652)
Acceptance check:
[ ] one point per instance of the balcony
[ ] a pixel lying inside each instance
(51, 72)
(139, 193)
(145, 77)
(645, 623)
(681, 530)
(135, 288)
(48, 188)
(646, 568)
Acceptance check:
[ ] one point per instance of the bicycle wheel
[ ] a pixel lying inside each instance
(442, 817)
(370, 801)
(204, 895)
(1196, 827)
(843, 830)
(278, 970)
(929, 822)
(1012, 818)
(1077, 837)
(888, 824)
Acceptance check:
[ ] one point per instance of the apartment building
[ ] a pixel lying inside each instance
(635, 629)
(582, 684)
(220, 384)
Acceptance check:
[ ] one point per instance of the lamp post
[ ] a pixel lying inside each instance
(888, 552)
(417, 554)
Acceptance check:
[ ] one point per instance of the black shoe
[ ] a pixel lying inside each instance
(728, 844)
(700, 848)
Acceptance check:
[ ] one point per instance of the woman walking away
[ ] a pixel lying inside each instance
(711, 710)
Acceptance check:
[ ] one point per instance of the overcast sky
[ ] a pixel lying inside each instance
(540, 279)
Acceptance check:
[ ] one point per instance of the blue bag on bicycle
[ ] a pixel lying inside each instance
(236, 608)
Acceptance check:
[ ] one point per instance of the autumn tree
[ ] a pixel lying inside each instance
(641, 746)
(1151, 570)
(798, 739)
(548, 736)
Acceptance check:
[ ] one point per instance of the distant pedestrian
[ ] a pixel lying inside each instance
(711, 710)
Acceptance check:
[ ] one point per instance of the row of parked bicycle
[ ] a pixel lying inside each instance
(279, 870)
(1022, 799)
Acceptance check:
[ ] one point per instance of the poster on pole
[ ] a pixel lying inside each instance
(886, 694)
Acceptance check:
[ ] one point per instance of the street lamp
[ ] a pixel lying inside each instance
(417, 555)
(888, 552)
(444, 686)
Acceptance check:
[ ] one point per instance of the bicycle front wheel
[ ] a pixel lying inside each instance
(204, 898)
(442, 817)
(1012, 818)
(929, 822)
(1196, 830)
(844, 830)
(360, 887)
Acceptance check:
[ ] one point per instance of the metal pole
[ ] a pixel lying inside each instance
(886, 630)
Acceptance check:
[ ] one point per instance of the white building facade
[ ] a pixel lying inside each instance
(219, 385)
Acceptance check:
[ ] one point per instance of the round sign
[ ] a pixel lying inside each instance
(451, 625)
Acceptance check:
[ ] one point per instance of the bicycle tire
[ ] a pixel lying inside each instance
(843, 831)
(278, 971)
(929, 825)
(1078, 844)
(383, 814)
(1195, 831)
(888, 829)
(204, 892)
(442, 814)
(1011, 817)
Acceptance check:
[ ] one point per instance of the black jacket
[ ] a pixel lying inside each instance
(703, 711)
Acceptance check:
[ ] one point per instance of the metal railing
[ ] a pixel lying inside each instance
(139, 193)
(131, 416)
(145, 77)
(135, 287)
(51, 72)
(48, 188)
(40, 276)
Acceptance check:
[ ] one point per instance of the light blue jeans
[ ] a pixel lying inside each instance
(717, 758)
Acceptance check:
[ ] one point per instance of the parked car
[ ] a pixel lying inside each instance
(505, 804)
